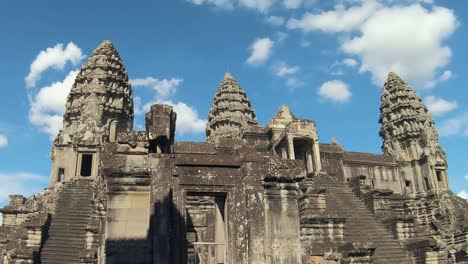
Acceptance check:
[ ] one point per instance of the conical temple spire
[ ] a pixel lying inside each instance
(230, 111)
(100, 97)
(408, 130)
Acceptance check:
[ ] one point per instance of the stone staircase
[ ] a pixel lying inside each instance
(67, 234)
(361, 226)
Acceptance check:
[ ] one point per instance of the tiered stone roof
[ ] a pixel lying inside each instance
(405, 120)
(230, 111)
(100, 95)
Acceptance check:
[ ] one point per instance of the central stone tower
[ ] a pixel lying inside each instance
(230, 111)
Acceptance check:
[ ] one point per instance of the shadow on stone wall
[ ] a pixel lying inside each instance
(164, 242)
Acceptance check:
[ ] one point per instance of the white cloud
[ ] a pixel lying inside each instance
(224, 4)
(261, 50)
(53, 57)
(23, 183)
(294, 82)
(438, 106)
(457, 125)
(463, 194)
(260, 5)
(282, 69)
(275, 20)
(466, 177)
(48, 105)
(3, 141)
(164, 87)
(187, 121)
(335, 91)
(338, 20)
(292, 4)
(281, 36)
(350, 62)
(407, 40)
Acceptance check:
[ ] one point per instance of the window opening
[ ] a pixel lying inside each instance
(439, 175)
(426, 182)
(86, 164)
(61, 174)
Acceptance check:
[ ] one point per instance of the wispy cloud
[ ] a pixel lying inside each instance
(3, 141)
(24, 183)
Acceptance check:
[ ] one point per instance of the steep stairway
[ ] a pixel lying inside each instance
(67, 234)
(361, 226)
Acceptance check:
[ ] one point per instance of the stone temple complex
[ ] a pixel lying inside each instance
(250, 194)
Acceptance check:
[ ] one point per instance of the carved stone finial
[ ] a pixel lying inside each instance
(230, 111)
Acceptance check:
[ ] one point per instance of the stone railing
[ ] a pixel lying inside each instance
(209, 253)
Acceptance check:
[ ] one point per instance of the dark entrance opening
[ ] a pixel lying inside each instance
(61, 174)
(86, 164)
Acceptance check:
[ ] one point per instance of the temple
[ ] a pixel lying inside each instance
(251, 193)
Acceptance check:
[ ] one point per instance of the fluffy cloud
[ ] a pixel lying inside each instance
(275, 20)
(338, 20)
(23, 183)
(438, 106)
(53, 57)
(457, 125)
(3, 141)
(292, 4)
(164, 87)
(350, 62)
(282, 69)
(261, 50)
(466, 177)
(48, 105)
(463, 194)
(335, 91)
(407, 40)
(187, 121)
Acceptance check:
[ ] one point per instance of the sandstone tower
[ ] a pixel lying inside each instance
(230, 112)
(251, 193)
(99, 106)
(409, 136)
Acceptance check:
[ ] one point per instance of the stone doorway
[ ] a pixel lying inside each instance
(206, 228)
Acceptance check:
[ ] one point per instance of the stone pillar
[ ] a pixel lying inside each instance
(316, 156)
(310, 165)
(282, 228)
(291, 148)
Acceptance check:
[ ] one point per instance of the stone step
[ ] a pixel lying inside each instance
(67, 233)
(361, 225)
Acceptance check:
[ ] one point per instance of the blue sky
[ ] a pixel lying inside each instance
(327, 60)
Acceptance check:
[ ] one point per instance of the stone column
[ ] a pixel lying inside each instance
(310, 165)
(316, 156)
(291, 148)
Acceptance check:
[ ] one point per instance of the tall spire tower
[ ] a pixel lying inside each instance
(230, 111)
(409, 134)
(98, 106)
